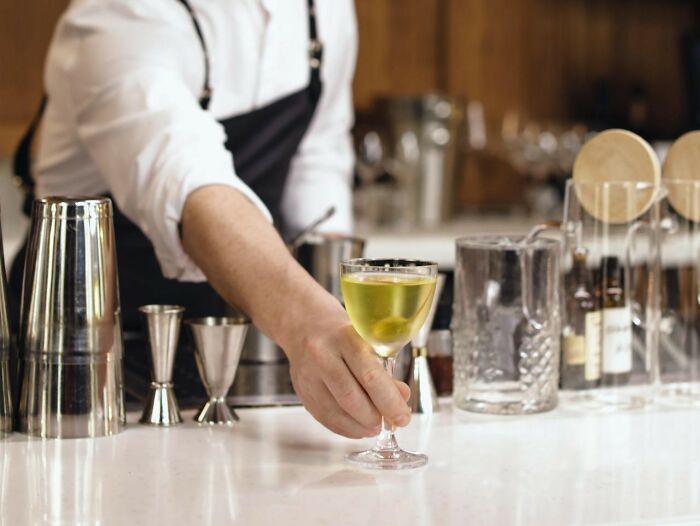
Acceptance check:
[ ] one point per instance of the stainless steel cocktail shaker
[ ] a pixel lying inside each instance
(321, 256)
(70, 330)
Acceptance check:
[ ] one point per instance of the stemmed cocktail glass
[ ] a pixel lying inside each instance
(387, 301)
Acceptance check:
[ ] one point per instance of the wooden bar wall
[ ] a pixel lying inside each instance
(538, 57)
(543, 56)
(26, 27)
(401, 48)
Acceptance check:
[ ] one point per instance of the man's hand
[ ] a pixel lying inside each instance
(342, 383)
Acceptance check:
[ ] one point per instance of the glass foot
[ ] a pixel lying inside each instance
(386, 459)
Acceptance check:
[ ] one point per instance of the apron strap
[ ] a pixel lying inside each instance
(315, 54)
(205, 96)
(22, 162)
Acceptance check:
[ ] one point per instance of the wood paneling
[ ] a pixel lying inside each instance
(400, 49)
(543, 57)
(26, 27)
(634, 42)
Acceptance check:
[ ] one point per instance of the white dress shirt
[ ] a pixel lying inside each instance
(123, 78)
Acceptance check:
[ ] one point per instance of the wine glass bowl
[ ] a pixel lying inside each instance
(387, 301)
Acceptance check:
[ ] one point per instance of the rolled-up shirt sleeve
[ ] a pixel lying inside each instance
(139, 120)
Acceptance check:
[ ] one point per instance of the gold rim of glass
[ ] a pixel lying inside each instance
(382, 264)
(516, 242)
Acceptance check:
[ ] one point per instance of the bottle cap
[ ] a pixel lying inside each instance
(682, 175)
(580, 254)
(616, 175)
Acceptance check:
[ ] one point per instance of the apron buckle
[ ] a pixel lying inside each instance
(315, 52)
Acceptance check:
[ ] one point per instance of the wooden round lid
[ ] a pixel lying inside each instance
(682, 175)
(616, 156)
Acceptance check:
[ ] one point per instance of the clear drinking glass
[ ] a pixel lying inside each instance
(679, 339)
(506, 324)
(387, 301)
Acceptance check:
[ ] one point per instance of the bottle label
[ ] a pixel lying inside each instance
(575, 349)
(593, 340)
(617, 340)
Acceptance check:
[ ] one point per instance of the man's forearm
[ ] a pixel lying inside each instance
(246, 261)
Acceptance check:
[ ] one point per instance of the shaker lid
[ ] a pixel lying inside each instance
(73, 207)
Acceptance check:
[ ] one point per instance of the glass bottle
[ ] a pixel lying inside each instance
(616, 325)
(580, 364)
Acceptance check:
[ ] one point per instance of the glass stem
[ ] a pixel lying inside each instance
(386, 441)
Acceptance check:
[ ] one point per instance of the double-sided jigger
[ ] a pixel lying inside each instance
(423, 395)
(217, 345)
(163, 324)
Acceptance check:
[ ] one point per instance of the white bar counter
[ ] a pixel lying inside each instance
(279, 467)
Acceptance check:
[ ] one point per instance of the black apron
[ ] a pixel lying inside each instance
(262, 142)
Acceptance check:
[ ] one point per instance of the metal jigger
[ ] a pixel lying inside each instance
(163, 323)
(217, 346)
(423, 395)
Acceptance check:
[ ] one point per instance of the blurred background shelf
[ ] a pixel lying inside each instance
(541, 61)
(438, 244)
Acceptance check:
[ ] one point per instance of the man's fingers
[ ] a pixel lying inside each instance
(381, 388)
(323, 407)
(337, 420)
(404, 389)
(348, 393)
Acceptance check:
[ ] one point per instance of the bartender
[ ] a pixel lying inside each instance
(216, 125)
